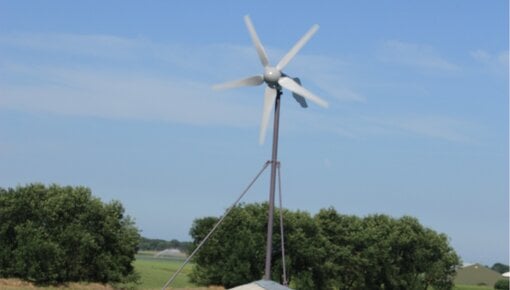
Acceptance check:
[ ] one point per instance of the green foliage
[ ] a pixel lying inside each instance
(502, 284)
(500, 268)
(230, 258)
(380, 252)
(159, 245)
(327, 251)
(60, 234)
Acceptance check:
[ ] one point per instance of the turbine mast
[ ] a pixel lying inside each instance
(272, 186)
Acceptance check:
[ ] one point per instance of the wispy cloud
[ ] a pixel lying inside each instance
(122, 95)
(496, 62)
(437, 127)
(356, 126)
(133, 77)
(330, 75)
(95, 45)
(415, 55)
(115, 77)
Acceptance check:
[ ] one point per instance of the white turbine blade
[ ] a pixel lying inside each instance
(290, 55)
(299, 98)
(292, 86)
(256, 41)
(269, 99)
(251, 81)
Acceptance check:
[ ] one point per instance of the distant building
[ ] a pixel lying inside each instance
(170, 253)
(476, 274)
(261, 285)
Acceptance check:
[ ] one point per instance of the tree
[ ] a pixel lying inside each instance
(345, 267)
(502, 284)
(380, 252)
(58, 234)
(500, 268)
(327, 251)
(235, 253)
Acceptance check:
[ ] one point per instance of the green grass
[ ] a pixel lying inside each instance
(155, 272)
(471, 287)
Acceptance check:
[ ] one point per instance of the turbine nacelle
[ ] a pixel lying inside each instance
(275, 78)
(272, 75)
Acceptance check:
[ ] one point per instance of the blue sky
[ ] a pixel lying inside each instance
(116, 96)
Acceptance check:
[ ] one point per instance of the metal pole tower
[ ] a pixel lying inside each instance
(272, 185)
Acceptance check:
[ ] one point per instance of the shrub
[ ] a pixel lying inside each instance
(502, 284)
(63, 234)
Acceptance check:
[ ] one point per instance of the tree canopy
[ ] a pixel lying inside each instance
(55, 234)
(326, 251)
(500, 268)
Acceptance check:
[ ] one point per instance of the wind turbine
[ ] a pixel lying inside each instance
(276, 80)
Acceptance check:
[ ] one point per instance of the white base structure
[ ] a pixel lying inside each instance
(261, 285)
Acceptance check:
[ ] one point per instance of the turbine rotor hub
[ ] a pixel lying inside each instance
(271, 75)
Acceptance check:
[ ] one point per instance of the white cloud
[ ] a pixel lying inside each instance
(97, 46)
(327, 163)
(115, 94)
(114, 77)
(415, 55)
(438, 127)
(110, 76)
(503, 58)
(356, 126)
(495, 62)
(329, 75)
(480, 55)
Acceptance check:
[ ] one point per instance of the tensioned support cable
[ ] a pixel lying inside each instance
(215, 226)
(285, 282)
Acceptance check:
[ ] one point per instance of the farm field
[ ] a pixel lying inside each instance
(154, 272)
(471, 287)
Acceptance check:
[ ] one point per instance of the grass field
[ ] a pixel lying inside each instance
(154, 272)
(472, 287)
